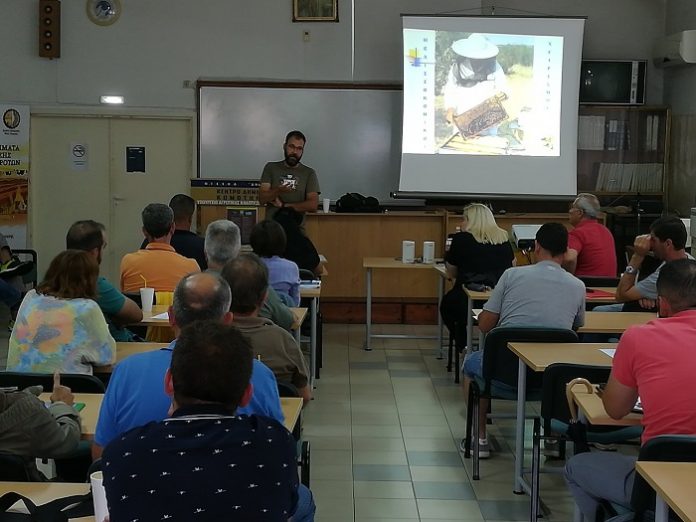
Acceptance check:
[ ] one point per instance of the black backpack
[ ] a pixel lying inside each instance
(354, 202)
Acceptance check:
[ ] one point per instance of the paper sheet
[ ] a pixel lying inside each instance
(609, 351)
(164, 316)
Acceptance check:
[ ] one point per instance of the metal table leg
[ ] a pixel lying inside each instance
(313, 339)
(368, 310)
(440, 293)
(519, 428)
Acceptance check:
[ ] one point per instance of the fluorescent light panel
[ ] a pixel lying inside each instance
(112, 100)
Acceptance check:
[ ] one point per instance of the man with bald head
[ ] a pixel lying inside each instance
(135, 395)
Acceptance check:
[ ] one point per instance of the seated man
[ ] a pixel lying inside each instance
(134, 396)
(650, 360)
(31, 430)
(276, 348)
(540, 295)
(119, 311)
(205, 463)
(158, 266)
(222, 244)
(591, 249)
(667, 241)
(185, 242)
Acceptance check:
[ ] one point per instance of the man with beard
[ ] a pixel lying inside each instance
(289, 183)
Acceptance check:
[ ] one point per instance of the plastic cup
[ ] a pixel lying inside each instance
(101, 511)
(326, 204)
(147, 296)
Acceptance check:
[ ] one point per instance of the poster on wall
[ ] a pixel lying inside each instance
(14, 141)
(13, 211)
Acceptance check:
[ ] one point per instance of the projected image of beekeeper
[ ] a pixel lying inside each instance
(475, 88)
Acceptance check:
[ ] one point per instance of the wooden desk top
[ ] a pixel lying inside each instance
(43, 492)
(673, 481)
(148, 317)
(392, 262)
(540, 355)
(441, 270)
(613, 322)
(310, 291)
(484, 296)
(124, 350)
(291, 407)
(90, 412)
(590, 404)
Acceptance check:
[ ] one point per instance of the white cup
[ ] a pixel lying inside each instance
(428, 252)
(326, 204)
(408, 251)
(147, 296)
(99, 496)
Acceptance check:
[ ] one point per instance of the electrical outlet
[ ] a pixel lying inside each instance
(305, 36)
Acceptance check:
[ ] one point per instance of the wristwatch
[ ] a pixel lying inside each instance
(630, 270)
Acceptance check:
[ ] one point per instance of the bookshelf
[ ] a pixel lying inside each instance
(623, 150)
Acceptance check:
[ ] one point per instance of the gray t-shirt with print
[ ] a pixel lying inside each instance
(302, 179)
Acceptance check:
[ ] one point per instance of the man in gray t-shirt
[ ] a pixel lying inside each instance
(289, 183)
(540, 295)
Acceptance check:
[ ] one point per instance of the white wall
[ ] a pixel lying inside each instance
(156, 45)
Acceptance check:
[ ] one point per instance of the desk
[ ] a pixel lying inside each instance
(312, 293)
(43, 492)
(124, 350)
(673, 485)
(89, 414)
(150, 319)
(592, 409)
(372, 263)
(613, 322)
(444, 276)
(292, 407)
(538, 356)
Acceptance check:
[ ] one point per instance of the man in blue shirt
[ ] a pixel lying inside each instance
(118, 309)
(205, 463)
(135, 395)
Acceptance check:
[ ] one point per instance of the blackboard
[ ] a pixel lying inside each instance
(353, 132)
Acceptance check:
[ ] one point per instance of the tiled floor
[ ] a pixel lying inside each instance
(384, 429)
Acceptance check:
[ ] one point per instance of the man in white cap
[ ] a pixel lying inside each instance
(475, 75)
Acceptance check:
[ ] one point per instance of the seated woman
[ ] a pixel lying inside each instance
(59, 326)
(478, 255)
(268, 241)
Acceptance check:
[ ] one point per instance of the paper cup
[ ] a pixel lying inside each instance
(98, 496)
(147, 296)
(326, 204)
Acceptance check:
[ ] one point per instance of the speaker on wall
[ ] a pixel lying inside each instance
(49, 28)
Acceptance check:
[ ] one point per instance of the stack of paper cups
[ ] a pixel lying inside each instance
(429, 252)
(408, 251)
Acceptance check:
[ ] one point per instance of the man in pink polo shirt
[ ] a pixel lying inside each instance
(658, 362)
(591, 249)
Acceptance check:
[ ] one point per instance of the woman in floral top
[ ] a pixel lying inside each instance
(59, 325)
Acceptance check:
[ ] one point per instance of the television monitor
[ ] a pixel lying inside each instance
(613, 82)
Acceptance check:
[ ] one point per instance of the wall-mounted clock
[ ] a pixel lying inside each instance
(103, 12)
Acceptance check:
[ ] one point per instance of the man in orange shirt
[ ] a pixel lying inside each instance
(157, 264)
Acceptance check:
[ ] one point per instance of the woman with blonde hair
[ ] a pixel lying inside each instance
(478, 256)
(59, 325)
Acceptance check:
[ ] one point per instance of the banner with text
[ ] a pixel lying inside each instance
(14, 141)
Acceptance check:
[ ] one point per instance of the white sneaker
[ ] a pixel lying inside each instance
(484, 448)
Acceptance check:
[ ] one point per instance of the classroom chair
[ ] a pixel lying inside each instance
(500, 376)
(77, 382)
(286, 389)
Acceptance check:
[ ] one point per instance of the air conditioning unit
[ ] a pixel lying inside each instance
(675, 49)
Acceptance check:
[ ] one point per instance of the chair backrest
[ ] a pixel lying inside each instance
(599, 281)
(286, 389)
(554, 404)
(13, 468)
(31, 277)
(500, 364)
(306, 275)
(663, 448)
(78, 383)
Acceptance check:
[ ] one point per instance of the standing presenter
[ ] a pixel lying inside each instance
(289, 183)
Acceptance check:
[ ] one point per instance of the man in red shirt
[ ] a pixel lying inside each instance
(591, 249)
(650, 360)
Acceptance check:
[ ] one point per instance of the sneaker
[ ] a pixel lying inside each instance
(484, 448)
(552, 449)
(605, 447)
